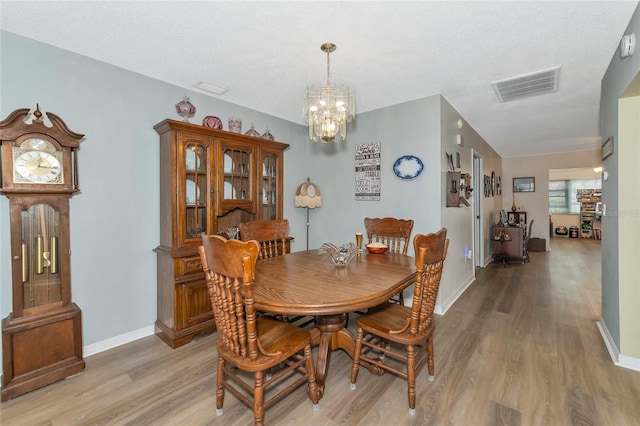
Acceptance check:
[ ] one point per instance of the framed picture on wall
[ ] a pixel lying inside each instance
(524, 184)
(487, 182)
(607, 147)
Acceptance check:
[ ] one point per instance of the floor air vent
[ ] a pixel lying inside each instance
(528, 85)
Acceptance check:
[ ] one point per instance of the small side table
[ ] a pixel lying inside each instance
(501, 256)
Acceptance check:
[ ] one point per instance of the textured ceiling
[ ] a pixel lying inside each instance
(389, 52)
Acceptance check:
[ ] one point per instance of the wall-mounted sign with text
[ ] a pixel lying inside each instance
(368, 172)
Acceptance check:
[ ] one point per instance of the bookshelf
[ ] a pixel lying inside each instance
(590, 213)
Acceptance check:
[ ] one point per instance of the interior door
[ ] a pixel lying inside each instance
(478, 251)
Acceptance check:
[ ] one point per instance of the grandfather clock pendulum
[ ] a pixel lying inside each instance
(42, 337)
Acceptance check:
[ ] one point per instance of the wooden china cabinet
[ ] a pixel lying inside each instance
(210, 181)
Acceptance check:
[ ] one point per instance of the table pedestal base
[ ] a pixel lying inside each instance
(331, 334)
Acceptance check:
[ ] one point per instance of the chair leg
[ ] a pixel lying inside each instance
(356, 358)
(220, 388)
(258, 398)
(430, 366)
(411, 379)
(312, 389)
(383, 344)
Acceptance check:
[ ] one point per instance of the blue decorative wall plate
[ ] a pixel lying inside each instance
(408, 167)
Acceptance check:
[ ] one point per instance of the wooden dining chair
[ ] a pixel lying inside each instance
(271, 234)
(395, 233)
(409, 330)
(246, 342)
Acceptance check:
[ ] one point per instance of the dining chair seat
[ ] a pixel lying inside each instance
(279, 340)
(387, 319)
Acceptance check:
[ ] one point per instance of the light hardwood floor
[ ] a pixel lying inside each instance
(520, 347)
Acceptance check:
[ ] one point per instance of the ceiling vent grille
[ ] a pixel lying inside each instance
(203, 85)
(528, 85)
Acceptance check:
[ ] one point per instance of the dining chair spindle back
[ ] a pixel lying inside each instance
(271, 234)
(395, 233)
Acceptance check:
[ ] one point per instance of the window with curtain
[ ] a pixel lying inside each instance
(562, 194)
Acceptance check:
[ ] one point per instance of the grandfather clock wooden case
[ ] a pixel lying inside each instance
(42, 337)
(210, 180)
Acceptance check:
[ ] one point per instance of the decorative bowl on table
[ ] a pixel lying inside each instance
(342, 255)
(376, 248)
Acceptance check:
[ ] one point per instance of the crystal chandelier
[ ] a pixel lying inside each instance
(328, 109)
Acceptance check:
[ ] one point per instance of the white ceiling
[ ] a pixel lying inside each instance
(389, 52)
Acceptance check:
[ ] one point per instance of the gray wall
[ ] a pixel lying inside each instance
(424, 128)
(408, 128)
(459, 272)
(619, 75)
(115, 219)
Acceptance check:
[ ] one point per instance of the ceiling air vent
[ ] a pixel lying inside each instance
(203, 85)
(528, 85)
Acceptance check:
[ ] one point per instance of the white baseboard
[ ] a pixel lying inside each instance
(442, 307)
(608, 341)
(116, 341)
(618, 359)
(628, 362)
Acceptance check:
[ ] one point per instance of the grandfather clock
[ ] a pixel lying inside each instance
(42, 337)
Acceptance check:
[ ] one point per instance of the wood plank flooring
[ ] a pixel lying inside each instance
(520, 347)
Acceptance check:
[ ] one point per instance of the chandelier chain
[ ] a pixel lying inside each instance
(328, 68)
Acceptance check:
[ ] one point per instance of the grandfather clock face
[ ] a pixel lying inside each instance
(37, 160)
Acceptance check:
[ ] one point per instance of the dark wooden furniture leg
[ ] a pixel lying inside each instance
(331, 334)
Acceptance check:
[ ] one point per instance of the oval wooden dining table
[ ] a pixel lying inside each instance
(307, 283)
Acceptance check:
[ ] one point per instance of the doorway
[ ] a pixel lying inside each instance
(575, 207)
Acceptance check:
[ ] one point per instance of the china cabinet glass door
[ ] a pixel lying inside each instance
(195, 189)
(237, 184)
(269, 187)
